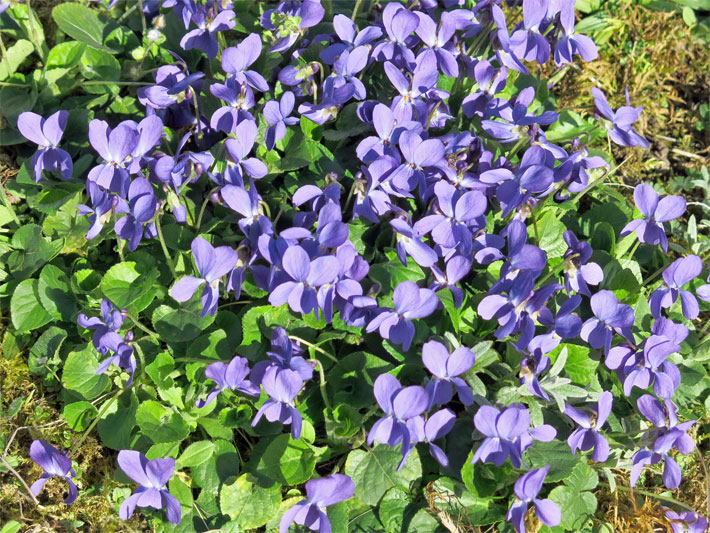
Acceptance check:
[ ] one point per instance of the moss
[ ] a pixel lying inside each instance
(665, 70)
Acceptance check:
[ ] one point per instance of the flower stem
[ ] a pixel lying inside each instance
(140, 326)
(316, 348)
(165, 246)
(101, 412)
(7, 204)
(322, 383)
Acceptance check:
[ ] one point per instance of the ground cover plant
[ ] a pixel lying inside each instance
(341, 266)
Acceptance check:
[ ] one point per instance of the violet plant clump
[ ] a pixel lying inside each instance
(414, 277)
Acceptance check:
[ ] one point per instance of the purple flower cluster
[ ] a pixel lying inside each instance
(451, 200)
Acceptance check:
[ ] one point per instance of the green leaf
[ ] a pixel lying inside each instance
(79, 373)
(126, 282)
(65, 55)
(375, 471)
(83, 24)
(160, 368)
(182, 323)
(223, 464)
(580, 367)
(55, 293)
(45, 351)
(577, 507)
(14, 100)
(195, 454)
(25, 307)
(78, 415)
(583, 477)
(556, 454)
(16, 54)
(550, 231)
(400, 515)
(284, 460)
(32, 250)
(249, 501)
(116, 424)
(161, 423)
(351, 380)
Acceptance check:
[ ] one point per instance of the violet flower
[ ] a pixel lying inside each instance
(420, 157)
(609, 316)
(55, 464)
(409, 241)
(349, 37)
(105, 328)
(571, 43)
(46, 133)
(320, 493)
(283, 355)
(122, 357)
(282, 386)
(388, 131)
(457, 268)
(446, 368)
(399, 405)
(239, 97)
(667, 435)
(578, 271)
(649, 229)
(100, 211)
(151, 476)
(139, 210)
(203, 37)
(229, 376)
(346, 68)
(435, 427)
(518, 120)
(686, 521)
(681, 272)
(435, 38)
(587, 436)
(410, 302)
(507, 433)
(277, 115)
(399, 23)
(302, 276)
(237, 59)
(526, 489)
(528, 42)
(212, 264)
(621, 128)
(409, 104)
(239, 149)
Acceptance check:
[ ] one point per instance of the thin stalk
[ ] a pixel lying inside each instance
(19, 85)
(537, 231)
(316, 348)
(140, 6)
(165, 246)
(140, 326)
(202, 211)
(127, 13)
(322, 384)
(633, 249)
(100, 82)
(18, 476)
(101, 412)
(651, 494)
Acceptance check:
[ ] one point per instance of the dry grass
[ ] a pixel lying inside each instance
(667, 73)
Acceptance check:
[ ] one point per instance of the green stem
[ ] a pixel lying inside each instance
(358, 3)
(140, 6)
(651, 494)
(322, 384)
(316, 348)
(140, 326)
(195, 360)
(19, 85)
(165, 246)
(537, 231)
(99, 82)
(633, 249)
(127, 13)
(101, 412)
(202, 211)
